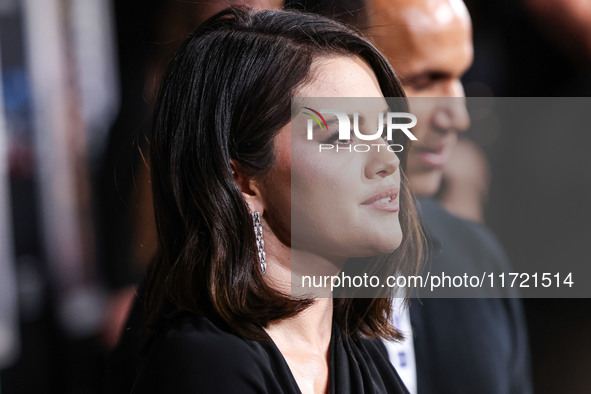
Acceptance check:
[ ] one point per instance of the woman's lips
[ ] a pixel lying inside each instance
(433, 157)
(385, 200)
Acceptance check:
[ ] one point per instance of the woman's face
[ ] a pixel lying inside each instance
(335, 204)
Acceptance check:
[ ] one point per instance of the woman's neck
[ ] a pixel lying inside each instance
(304, 342)
(303, 339)
(310, 329)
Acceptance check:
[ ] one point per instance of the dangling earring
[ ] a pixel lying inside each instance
(258, 233)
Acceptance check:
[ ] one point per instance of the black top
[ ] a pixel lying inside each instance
(191, 354)
(475, 345)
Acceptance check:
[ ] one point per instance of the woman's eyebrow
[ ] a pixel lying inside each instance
(362, 117)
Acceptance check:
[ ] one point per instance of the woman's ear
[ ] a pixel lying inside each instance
(248, 187)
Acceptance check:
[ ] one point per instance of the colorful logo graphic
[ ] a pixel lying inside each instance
(348, 124)
(318, 115)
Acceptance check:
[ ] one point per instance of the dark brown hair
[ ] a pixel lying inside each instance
(225, 96)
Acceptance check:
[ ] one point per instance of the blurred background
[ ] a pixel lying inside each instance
(76, 228)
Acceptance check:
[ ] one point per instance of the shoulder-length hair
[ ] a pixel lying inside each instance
(226, 94)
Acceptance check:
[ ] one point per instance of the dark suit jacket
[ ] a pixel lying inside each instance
(470, 345)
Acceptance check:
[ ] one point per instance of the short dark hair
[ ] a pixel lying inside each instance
(225, 96)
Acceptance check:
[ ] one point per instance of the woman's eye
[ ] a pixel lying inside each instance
(334, 139)
(343, 142)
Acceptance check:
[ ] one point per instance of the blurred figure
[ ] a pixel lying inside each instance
(571, 22)
(540, 52)
(59, 100)
(465, 182)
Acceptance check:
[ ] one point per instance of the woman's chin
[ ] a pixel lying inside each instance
(381, 246)
(391, 246)
(389, 241)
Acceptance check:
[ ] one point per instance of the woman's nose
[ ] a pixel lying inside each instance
(384, 161)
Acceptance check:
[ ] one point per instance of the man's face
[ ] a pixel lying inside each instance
(429, 43)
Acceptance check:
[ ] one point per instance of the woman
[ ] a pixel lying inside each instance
(225, 158)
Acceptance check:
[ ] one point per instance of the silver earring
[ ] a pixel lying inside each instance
(258, 233)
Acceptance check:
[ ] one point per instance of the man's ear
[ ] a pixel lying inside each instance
(248, 187)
